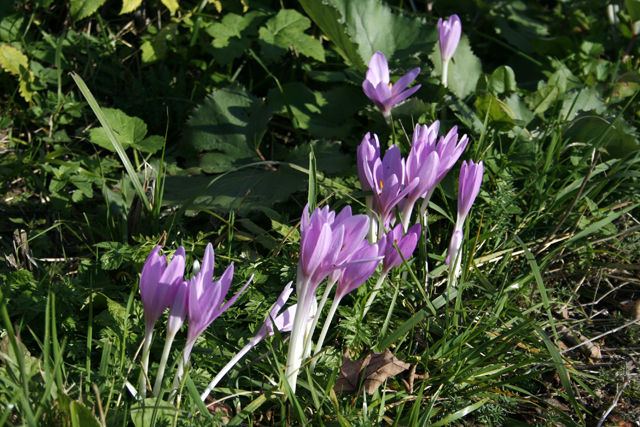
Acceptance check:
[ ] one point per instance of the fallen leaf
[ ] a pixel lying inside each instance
(632, 309)
(574, 338)
(370, 372)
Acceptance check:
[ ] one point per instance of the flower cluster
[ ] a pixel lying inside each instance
(199, 298)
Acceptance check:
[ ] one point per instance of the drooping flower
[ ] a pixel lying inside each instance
(379, 88)
(159, 284)
(205, 304)
(282, 322)
(449, 33)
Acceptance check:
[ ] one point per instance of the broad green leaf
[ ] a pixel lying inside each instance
(373, 26)
(464, 69)
(10, 27)
(500, 118)
(557, 47)
(172, 5)
(521, 113)
(230, 122)
(231, 35)
(130, 130)
(588, 127)
(633, 8)
(329, 159)
(80, 9)
(151, 144)
(15, 62)
(78, 414)
(287, 29)
(129, 6)
(502, 80)
(627, 85)
(245, 190)
(324, 114)
(541, 100)
(586, 99)
(157, 48)
(152, 412)
(330, 20)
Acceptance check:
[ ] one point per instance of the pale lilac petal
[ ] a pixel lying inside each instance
(404, 95)
(402, 84)
(378, 69)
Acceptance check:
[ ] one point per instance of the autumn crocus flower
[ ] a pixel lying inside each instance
(449, 33)
(379, 88)
(324, 241)
(363, 263)
(159, 284)
(405, 243)
(468, 188)
(205, 303)
(368, 153)
(282, 322)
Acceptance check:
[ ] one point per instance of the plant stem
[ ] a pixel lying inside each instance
(148, 337)
(445, 72)
(163, 363)
(376, 289)
(227, 368)
(325, 329)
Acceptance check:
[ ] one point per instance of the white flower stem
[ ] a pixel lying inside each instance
(148, 337)
(325, 329)
(372, 221)
(445, 72)
(296, 342)
(406, 215)
(163, 363)
(314, 324)
(376, 289)
(180, 371)
(227, 368)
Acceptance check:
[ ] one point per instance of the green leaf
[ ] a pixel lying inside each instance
(464, 69)
(541, 100)
(151, 412)
(130, 130)
(80, 9)
(328, 157)
(501, 117)
(502, 80)
(114, 255)
(15, 62)
(330, 20)
(129, 6)
(172, 5)
(373, 26)
(246, 190)
(157, 48)
(588, 127)
(583, 100)
(10, 27)
(231, 36)
(520, 111)
(230, 122)
(286, 29)
(324, 114)
(150, 145)
(633, 8)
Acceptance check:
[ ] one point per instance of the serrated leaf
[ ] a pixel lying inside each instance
(373, 26)
(330, 20)
(114, 254)
(581, 100)
(150, 145)
(229, 121)
(464, 69)
(231, 36)
(324, 114)
(80, 9)
(541, 100)
(15, 62)
(245, 190)
(285, 30)
(172, 5)
(129, 6)
(130, 130)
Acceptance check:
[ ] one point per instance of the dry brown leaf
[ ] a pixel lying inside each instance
(574, 338)
(370, 372)
(632, 309)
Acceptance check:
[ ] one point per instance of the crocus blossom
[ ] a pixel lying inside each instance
(205, 303)
(159, 284)
(325, 242)
(449, 33)
(177, 314)
(405, 243)
(379, 88)
(468, 188)
(368, 153)
(282, 323)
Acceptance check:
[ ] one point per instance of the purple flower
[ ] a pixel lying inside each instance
(454, 245)
(356, 274)
(449, 33)
(326, 242)
(368, 153)
(159, 283)
(379, 88)
(468, 188)
(406, 244)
